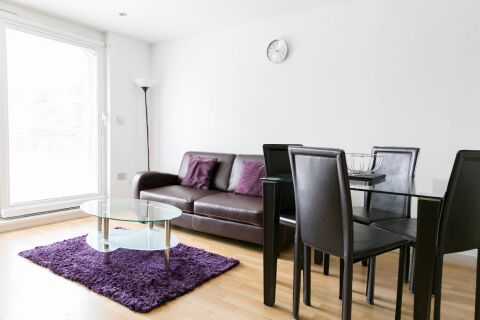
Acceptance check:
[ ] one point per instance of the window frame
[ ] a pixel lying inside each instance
(60, 203)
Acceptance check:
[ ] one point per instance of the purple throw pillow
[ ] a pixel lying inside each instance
(250, 183)
(199, 172)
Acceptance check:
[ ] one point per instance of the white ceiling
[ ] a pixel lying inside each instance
(157, 20)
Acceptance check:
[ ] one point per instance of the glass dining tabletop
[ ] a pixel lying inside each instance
(421, 187)
(133, 210)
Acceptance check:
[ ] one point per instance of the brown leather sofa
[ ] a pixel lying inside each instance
(217, 211)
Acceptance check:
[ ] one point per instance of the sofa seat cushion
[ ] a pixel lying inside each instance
(230, 206)
(178, 196)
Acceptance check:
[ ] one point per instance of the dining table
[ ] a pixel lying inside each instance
(430, 194)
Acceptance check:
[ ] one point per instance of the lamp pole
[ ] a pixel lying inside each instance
(146, 121)
(146, 84)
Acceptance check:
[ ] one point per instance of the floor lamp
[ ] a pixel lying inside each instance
(145, 84)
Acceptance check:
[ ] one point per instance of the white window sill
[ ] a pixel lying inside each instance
(47, 205)
(41, 219)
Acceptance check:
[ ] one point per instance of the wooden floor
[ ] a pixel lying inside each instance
(28, 291)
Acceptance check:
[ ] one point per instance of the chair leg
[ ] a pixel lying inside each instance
(368, 277)
(438, 286)
(347, 290)
(407, 265)
(326, 264)
(364, 262)
(307, 254)
(296, 277)
(477, 291)
(371, 280)
(318, 257)
(340, 290)
(411, 285)
(401, 275)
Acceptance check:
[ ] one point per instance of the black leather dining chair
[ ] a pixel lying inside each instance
(396, 162)
(277, 162)
(325, 222)
(459, 220)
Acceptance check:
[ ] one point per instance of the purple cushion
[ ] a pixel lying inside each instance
(250, 183)
(199, 172)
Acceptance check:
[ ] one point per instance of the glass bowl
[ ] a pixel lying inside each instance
(362, 163)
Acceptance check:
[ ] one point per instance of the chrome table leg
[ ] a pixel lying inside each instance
(167, 245)
(105, 239)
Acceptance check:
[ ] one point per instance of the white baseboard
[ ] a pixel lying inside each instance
(38, 220)
(462, 258)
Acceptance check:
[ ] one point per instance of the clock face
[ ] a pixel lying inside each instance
(277, 50)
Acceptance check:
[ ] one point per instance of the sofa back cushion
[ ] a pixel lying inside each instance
(250, 183)
(221, 173)
(199, 172)
(238, 167)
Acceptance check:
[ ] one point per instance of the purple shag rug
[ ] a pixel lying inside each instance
(133, 278)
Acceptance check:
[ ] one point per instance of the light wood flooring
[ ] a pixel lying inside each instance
(28, 291)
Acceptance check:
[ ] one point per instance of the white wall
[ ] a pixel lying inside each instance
(360, 73)
(127, 59)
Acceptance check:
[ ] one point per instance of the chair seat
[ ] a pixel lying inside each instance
(370, 241)
(178, 196)
(405, 227)
(233, 207)
(368, 216)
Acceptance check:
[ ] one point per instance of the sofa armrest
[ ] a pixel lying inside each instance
(151, 179)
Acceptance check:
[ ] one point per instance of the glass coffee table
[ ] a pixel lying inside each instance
(132, 210)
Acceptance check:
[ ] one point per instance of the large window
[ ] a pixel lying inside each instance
(52, 133)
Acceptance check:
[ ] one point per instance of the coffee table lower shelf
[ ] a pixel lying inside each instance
(143, 239)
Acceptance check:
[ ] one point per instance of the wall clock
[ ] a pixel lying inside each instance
(277, 51)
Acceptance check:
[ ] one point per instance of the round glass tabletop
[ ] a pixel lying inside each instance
(134, 210)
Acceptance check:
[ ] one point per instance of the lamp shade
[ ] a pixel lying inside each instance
(144, 83)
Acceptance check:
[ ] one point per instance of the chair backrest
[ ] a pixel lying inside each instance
(276, 158)
(277, 162)
(323, 202)
(460, 220)
(396, 161)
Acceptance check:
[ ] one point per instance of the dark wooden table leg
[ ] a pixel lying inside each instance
(271, 220)
(428, 217)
